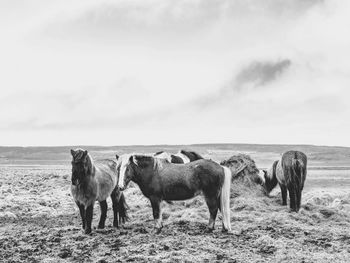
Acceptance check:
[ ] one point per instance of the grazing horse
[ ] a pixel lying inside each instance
(290, 174)
(181, 157)
(160, 180)
(95, 182)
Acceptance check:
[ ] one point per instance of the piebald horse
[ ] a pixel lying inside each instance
(95, 181)
(161, 180)
(181, 157)
(290, 173)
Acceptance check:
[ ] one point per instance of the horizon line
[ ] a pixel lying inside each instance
(168, 144)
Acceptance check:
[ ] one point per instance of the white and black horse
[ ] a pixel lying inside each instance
(181, 157)
(161, 180)
(290, 173)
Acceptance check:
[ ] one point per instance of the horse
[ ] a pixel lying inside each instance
(181, 157)
(161, 180)
(95, 181)
(290, 173)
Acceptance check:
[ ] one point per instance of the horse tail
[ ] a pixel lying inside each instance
(225, 198)
(297, 179)
(122, 208)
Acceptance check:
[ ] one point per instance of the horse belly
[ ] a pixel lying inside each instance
(104, 191)
(179, 193)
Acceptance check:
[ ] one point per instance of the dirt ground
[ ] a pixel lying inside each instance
(39, 223)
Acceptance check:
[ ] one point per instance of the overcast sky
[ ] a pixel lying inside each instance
(98, 72)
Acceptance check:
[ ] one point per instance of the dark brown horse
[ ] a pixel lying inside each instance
(290, 174)
(181, 157)
(93, 182)
(160, 180)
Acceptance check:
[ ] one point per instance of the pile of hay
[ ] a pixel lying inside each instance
(246, 181)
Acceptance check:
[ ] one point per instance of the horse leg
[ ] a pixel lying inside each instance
(155, 202)
(213, 205)
(82, 213)
(298, 194)
(103, 206)
(114, 198)
(292, 198)
(284, 194)
(88, 217)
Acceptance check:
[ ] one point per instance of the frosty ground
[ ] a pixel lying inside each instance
(39, 222)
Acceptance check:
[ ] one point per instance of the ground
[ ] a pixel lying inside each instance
(39, 223)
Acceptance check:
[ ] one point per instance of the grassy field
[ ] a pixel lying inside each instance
(39, 221)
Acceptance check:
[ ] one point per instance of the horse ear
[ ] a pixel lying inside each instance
(72, 152)
(117, 156)
(265, 172)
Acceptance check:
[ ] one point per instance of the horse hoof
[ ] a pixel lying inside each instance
(100, 227)
(229, 232)
(158, 230)
(88, 231)
(210, 230)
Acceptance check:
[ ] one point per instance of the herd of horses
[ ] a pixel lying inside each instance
(172, 177)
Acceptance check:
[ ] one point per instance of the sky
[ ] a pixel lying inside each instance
(103, 72)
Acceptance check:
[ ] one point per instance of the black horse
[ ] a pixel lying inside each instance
(290, 174)
(160, 180)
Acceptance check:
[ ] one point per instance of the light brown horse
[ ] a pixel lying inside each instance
(93, 182)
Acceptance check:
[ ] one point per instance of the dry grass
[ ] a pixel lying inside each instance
(39, 222)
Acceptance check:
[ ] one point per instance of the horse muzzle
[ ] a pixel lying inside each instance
(121, 188)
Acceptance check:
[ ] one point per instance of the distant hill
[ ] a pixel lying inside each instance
(263, 154)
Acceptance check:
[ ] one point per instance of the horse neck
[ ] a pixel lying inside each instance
(89, 177)
(142, 176)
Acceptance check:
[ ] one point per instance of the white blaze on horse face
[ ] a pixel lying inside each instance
(183, 157)
(123, 166)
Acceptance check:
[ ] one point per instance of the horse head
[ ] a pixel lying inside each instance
(125, 170)
(81, 165)
(129, 166)
(269, 178)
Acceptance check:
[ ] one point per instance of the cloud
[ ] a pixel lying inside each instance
(261, 73)
(256, 74)
(166, 20)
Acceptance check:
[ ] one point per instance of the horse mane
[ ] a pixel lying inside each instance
(90, 164)
(78, 155)
(157, 153)
(144, 161)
